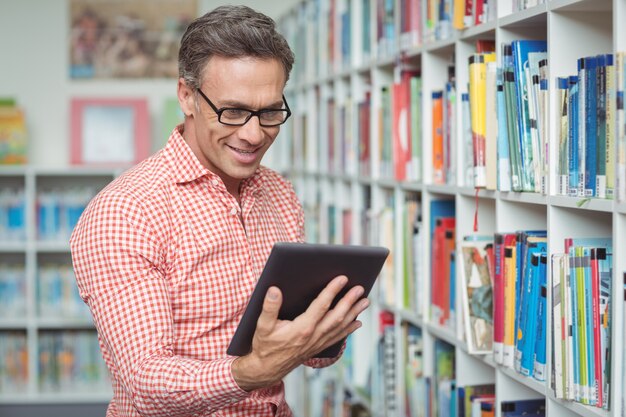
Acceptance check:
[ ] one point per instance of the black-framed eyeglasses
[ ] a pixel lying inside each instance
(232, 116)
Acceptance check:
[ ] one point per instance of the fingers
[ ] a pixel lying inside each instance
(271, 307)
(320, 306)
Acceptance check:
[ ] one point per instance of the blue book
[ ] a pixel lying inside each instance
(522, 241)
(526, 337)
(539, 372)
(440, 209)
(590, 73)
(520, 50)
(573, 139)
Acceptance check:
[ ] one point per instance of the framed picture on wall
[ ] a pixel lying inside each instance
(109, 131)
(127, 39)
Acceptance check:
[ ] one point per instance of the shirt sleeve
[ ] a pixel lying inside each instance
(120, 270)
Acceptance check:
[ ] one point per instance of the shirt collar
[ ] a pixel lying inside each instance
(185, 166)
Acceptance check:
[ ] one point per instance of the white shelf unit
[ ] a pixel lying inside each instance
(32, 253)
(572, 28)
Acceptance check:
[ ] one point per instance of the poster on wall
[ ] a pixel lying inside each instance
(127, 39)
(109, 131)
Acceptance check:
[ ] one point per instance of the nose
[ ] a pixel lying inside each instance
(252, 131)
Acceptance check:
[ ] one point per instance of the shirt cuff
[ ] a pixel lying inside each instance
(223, 384)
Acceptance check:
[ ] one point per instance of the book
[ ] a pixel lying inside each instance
(415, 165)
(499, 297)
(478, 112)
(558, 329)
(13, 135)
(401, 128)
(441, 221)
(573, 141)
(504, 163)
(477, 294)
(491, 128)
(510, 300)
(520, 51)
(539, 356)
(438, 176)
(562, 135)
(512, 109)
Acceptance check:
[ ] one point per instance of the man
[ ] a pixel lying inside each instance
(167, 255)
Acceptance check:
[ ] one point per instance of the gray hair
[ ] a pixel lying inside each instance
(231, 32)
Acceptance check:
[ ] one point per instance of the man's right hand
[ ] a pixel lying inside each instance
(279, 346)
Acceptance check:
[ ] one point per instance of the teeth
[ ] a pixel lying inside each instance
(241, 150)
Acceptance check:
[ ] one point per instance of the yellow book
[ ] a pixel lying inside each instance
(458, 14)
(478, 112)
(12, 136)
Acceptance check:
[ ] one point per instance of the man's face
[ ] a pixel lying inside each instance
(232, 152)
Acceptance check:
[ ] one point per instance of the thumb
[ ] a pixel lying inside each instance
(271, 307)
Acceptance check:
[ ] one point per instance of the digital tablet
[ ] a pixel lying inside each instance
(301, 271)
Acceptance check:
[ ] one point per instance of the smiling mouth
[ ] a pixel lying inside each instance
(242, 151)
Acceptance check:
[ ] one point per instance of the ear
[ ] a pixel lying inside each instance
(186, 98)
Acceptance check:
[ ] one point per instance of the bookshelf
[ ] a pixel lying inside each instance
(322, 75)
(48, 341)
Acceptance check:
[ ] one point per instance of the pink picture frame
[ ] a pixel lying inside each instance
(109, 131)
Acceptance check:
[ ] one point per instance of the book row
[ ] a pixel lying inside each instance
(12, 215)
(71, 361)
(13, 362)
(503, 126)
(12, 290)
(439, 394)
(581, 300)
(57, 212)
(57, 293)
(68, 360)
(330, 36)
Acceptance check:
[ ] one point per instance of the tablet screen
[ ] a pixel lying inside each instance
(301, 271)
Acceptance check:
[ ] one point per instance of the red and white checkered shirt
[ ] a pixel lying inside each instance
(166, 259)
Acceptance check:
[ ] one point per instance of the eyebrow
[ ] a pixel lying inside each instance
(239, 105)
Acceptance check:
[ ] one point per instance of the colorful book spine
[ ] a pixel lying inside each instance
(563, 135)
(437, 138)
(611, 125)
(591, 126)
(504, 163)
(520, 51)
(539, 357)
(573, 138)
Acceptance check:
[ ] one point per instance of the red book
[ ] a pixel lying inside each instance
(479, 15)
(401, 128)
(443, 245)
(498, 293)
